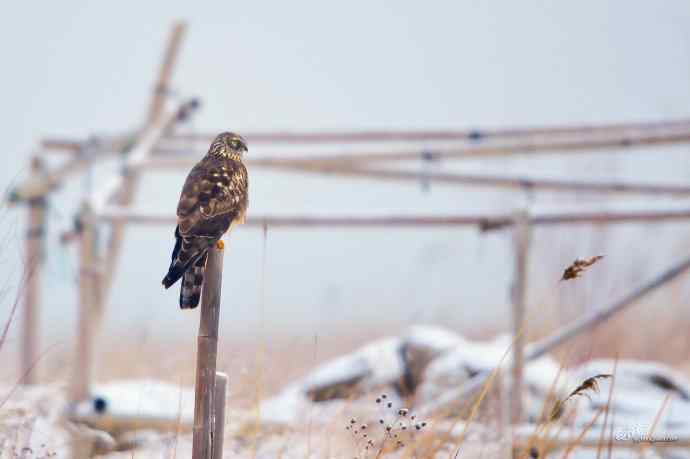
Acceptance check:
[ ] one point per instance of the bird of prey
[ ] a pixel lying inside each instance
(213, 199)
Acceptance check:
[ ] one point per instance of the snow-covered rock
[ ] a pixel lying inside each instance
(419, 347)
(376, 364)
(456, 367)
(133, 404)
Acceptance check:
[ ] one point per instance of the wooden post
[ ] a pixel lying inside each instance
(203, 438)
(219, 414)
(32, 262)
(521, 240)
(83, 365)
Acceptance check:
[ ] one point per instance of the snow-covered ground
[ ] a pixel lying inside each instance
(370, 386)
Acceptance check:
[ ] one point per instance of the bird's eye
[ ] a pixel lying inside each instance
(235, 144)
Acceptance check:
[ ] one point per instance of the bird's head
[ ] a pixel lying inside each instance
(229, 145)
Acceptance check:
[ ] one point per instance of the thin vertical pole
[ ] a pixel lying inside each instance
(521, 240)
(83, 365)
(203, 437)
(219, 414)
(32, 261)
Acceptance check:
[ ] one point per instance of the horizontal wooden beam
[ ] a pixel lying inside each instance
(62, 145)
(185, 156)
(483, 222)
(444, 178)
(493, 181)
(38, 186)
(310, 137)
(101, 144)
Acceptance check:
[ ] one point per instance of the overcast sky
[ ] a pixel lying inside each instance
(76, 68)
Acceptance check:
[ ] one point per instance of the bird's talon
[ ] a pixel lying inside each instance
(220, 245)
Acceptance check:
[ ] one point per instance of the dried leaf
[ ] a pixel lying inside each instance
(588, 385)
(578, 267)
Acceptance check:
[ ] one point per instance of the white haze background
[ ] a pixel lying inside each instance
(75, 68)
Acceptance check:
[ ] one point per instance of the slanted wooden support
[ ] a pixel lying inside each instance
(585, 323)
(35, 232)
(219, 414)
(122, 190)
(521, 241)
(205, 432)
(601, 315)
(159, 122)
(162, 87)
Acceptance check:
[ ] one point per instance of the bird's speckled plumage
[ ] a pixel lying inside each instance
(214, 198)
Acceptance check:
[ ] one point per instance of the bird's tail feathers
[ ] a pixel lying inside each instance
(192, 281)
(176, 269)
(185, 254)
(173, 276)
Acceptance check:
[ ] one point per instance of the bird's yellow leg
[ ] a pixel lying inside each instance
(220, 244)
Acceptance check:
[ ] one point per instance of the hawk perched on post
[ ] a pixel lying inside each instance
(213, 199)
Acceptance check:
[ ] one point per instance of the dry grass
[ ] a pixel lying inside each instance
(272, 364)
(261, 367)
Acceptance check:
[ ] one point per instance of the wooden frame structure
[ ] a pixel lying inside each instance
(156, 145)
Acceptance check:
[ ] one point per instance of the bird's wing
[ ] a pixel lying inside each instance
(212, 189)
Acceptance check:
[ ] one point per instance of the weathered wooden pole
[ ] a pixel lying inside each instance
(32, 262)
(182, 159)
(527, 146)
(474, 135)
(89, 284)
(219, 414)
(83, 365)
(521, 240)
(204, 433)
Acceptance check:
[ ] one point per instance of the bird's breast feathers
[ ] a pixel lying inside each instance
(213, 190)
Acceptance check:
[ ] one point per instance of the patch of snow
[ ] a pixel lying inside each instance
(437, 339)
(375, 364)
(151, 398)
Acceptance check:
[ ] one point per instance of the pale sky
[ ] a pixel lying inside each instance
(75, 68)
